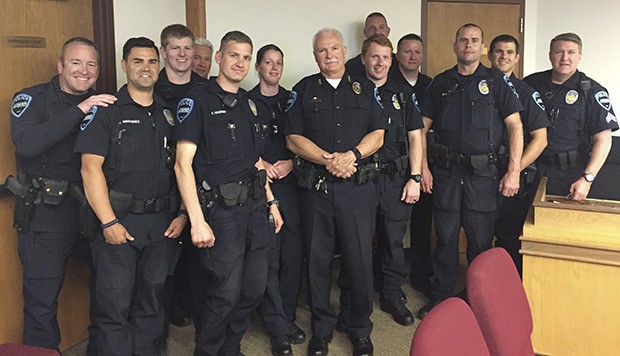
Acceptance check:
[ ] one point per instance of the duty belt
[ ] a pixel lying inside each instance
(150, 206)
(562, 160)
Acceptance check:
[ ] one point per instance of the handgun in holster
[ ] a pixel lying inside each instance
(89, 224)
(366, 173)
(26, 200)
(308, 175)
(442, 155)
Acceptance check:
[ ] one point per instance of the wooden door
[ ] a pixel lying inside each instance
(47, 24)
(441, 20)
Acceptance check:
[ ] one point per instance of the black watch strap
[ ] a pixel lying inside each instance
(416, 177)
(357, 153)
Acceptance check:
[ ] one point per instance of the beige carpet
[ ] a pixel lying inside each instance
(388, 337)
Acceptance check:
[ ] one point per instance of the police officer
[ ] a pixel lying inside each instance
(175, 80)
(581, 121)
(218, 150)
(504, 56)
(410, 53)
(335, 124)
(127, 182)
(468, 106)
(203, 56)
(400, 161)
(279, 304)
(44, 124)
(375, 24)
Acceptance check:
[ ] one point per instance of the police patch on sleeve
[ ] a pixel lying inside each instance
(168, 116)
(414, 100)
(602, 98)
(20, 104)
(510, 85)
(90, 115)
(538, 100)
(610, 117)
(184, 108)
(377, 97)
(291, 100)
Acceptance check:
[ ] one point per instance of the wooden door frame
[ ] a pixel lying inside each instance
(521, 3)
(103, 35)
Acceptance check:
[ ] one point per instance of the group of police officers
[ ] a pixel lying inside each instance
(350, 155)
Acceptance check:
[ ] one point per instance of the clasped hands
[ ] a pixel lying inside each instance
(341, 164)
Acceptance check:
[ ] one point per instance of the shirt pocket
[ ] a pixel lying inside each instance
(224, 139)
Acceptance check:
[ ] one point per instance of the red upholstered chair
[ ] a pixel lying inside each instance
(497, 297)
(449, 329)
(24, 350)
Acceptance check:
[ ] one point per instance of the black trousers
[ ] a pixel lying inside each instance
(229, 279)
(420, 228)
(461, 199)
(279, 304)
(392, 217)
(44, 256)
(345, 213)
(129, 286)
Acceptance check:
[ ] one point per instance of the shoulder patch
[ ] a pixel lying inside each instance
(168, 116)
(510, 85)
(377, 97)
(538, 100)
(291, 100)
(20, 104)
(90, 115)
(184, 108)
(414, 100)
(602, 98)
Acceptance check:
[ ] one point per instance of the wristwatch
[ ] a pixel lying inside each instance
(589, 177)
(357, 153)
(416, 177)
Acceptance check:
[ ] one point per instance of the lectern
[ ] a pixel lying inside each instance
(571, 274)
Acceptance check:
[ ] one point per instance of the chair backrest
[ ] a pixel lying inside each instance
(449, 329)
(24, 350)
(497, 297)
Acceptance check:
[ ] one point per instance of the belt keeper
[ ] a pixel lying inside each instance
(108, 224)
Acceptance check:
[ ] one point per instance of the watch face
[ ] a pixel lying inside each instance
(589, 177)
(416, 177)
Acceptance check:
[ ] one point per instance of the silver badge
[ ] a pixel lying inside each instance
(252, 107)
(571, 97)
(168, 116)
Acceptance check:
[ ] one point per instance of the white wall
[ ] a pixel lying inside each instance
(291, 25)
(142, 18)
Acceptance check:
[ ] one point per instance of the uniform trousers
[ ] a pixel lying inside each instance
(461, 198)
(392, 217)
(345, 212)
(44, 256)
(420, 228)
(229, 279)
(279, 304)
(129, 286)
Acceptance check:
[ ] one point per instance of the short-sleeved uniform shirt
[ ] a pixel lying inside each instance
(563, 104)
(533, 116)
(139, 135)
(44, 128)
(271, 117)
(227, 138)
(420, 85)
(401, 117)
(334, 119)
(469, 110)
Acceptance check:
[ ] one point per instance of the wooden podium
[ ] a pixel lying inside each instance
(571, 274)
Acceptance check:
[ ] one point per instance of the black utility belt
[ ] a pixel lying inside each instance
(150, 206)
(395, 167)
(562, 160)
(51, 191)
(313, 177)
(233, 193)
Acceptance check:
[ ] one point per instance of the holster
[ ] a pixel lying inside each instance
(365, 173)
(26, 200)
(120, 202)
(258, 184)
(52, 190)
(441, 154)
(233, 194)
(307, 175)
(89, 224)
